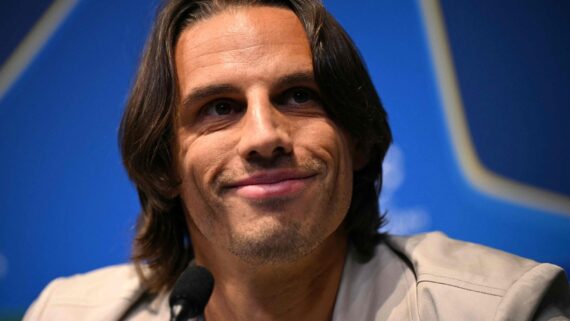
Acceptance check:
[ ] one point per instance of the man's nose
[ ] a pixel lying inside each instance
(266, 131)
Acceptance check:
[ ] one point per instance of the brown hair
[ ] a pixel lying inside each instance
(162, 242)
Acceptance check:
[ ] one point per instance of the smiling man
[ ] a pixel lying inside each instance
(265, 174)
(256, 138)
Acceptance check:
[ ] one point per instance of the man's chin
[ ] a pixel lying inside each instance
(273, 246)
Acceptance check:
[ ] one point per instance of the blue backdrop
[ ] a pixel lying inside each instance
(68, 207)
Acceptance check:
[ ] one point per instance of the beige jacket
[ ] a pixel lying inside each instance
(421, 278)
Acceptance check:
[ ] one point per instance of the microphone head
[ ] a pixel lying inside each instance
(191, 293)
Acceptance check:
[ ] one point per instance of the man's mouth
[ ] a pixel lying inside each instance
(271, 184)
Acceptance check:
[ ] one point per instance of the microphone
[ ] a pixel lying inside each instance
(191, 293)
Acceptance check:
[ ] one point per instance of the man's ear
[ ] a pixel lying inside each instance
(174, 173)
(173, 192)
(360, 155)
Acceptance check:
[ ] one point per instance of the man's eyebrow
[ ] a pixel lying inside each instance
(205, 92)
(296, 78)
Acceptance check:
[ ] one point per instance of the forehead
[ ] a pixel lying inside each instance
(244, 25)
(256, 40)
(243, 22)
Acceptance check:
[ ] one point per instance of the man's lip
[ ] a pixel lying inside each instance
(273, 184)
(270, 177)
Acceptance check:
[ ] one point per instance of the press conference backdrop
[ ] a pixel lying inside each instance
(477, 93)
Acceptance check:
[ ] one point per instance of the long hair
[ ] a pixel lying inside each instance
(162, 244)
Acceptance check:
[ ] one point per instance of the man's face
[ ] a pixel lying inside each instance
(266, 175)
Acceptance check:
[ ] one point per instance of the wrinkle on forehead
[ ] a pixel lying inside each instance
(247, 28)
(247, 24)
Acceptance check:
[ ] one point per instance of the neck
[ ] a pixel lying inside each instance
(301, 290)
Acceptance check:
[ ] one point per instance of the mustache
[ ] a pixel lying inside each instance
(230, 175)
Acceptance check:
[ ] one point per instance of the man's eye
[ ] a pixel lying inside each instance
(301, 96)
(298, 96)
(220, 108)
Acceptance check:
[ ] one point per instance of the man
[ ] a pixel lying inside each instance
(255, 139)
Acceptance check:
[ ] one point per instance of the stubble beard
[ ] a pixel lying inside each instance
(275, 244)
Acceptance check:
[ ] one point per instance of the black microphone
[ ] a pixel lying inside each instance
(191, 293)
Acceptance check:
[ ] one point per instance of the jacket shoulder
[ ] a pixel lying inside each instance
(107, 291)
(451, 273)
(435, 255)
